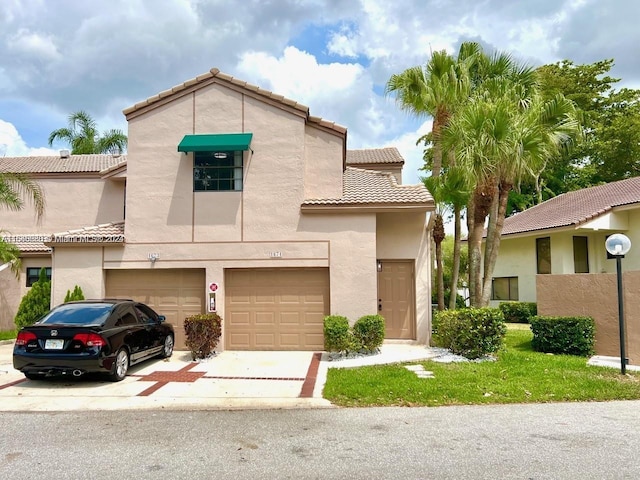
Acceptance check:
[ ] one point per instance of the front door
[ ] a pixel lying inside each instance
(396, 298)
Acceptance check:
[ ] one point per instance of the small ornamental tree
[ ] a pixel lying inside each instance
(75, 295)
(35, 303)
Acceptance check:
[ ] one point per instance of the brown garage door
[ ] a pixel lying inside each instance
(276, 309)
(176, 294)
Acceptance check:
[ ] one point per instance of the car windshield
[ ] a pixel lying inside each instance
(78, 314)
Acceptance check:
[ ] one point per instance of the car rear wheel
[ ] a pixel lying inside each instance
(120, 366)
(167, 349)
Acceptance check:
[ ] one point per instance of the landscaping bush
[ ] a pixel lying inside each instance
(564, 335)
(518, 312)
(369, 332)
(470, 332)
(75, 295)
(35, 303)
(203, 332)
(337, 335)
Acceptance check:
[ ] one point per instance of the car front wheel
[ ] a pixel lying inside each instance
(167, 349)
(120, 366)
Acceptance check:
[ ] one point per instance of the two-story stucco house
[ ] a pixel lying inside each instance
(232, 199)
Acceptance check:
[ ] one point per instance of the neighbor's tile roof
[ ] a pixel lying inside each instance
(574, 208)
(104, 233)
(388, 155)
(56, 164)
(216, 76)
(368, 187)
(29, 243)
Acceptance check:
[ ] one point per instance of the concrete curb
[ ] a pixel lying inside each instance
(7, 342)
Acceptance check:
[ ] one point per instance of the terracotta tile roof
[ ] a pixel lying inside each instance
(373, 188)
(56, 164)
(29, 243)
(104, 233)
(216, 76)
(574, 208)
(389, 155)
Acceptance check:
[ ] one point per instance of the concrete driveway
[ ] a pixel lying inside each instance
(230, 380)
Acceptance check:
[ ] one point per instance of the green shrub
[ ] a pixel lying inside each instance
(35, 303)
(369, 331)
(203, 332)
(470, 332)
(75, 295)
(564, 335)
(518, 312)
(337, 335)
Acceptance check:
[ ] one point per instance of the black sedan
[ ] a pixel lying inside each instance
(92, 336)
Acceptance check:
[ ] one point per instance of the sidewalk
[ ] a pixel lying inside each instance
(230, 380)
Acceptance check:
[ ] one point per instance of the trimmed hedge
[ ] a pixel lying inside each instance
(564, 335)
(35, 303)
(337, 335)
(518, 312)
(203, 333)
(369, 332)
(75, 295)
(470, 332)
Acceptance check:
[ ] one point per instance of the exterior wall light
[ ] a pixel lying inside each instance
(153, 257)
(618, 245)
(379, 266)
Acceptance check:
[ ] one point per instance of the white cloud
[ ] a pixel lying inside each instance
(12, 144)
(39, 47)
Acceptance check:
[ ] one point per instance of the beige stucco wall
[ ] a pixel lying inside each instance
(596, 295)
(80, 266)
(70, 203)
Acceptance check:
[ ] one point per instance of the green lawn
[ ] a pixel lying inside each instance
(519, 376)
(7, 334)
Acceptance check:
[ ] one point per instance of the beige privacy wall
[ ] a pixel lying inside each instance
(596, 295)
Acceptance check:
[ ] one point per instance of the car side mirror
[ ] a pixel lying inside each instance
(161, 318)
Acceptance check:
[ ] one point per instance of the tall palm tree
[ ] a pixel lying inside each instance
(14, 190)
(504, 133)
(83, 136)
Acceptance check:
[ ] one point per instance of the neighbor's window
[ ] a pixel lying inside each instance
(504, 288)
(217, 171)
(33, 273)
(580, 255)
(543, 254)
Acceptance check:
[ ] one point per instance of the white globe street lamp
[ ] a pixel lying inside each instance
(618, 245)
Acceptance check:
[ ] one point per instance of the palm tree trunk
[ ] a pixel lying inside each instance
(490, 261)
(440, 275)
(457, 244)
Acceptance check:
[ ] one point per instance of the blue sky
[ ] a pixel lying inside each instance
(334, 56)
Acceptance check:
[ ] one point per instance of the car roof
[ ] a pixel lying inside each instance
(112, 301)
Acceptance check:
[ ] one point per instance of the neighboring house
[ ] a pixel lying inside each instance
(234, 199)
(566, 235)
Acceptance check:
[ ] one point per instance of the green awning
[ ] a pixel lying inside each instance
(223, 142)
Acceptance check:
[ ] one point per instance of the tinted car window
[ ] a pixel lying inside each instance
(127, 317)
(78, 314)
(143, 315)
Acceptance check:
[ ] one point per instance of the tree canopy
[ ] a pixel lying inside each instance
(83, 136)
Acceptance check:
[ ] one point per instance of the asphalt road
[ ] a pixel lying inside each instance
(548, 441)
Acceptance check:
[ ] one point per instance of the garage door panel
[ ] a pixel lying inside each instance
(174, 293)
(285, 308)
(239, 319)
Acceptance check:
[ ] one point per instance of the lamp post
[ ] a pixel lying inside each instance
(618, 245)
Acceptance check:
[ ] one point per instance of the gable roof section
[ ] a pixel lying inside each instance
(56, 164)
(574, 208)
(216, 76)
(373, 190)
(370, 156)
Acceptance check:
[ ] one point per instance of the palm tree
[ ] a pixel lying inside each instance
(14, 189)
(504, 133)
(83, 136)
(435, 90)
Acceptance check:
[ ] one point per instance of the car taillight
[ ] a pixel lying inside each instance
(25, 337)
(90, 339)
